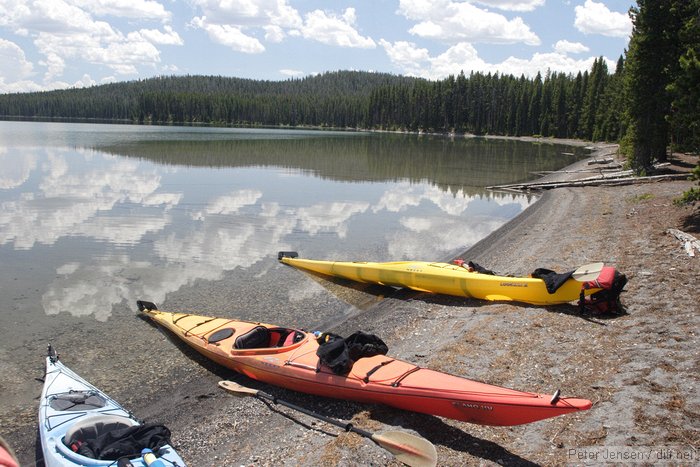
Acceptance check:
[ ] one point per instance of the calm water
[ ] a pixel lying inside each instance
(93, 217)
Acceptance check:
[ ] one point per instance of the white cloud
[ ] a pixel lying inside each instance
(14, 65)
(595, 18)
(237, 24)
(405, 195)
(230, 36)
(166, 37)
(138, 9)
(274, 34)
(291, 73)
(125, 230)
(565, 47)
(84, 82)
(65, 31)
(399, 198)
(250, 13)
(406, 56)
(541, 62)
(454, 22)
(454, 59)
(112, 40)
(513, 5)
(52, 17)
(331, 29)
(414, 61)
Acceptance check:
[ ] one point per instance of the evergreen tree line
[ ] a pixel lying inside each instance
(651, 99)
(662, 81)
(584, 106)
(337, 99)
(558, 105)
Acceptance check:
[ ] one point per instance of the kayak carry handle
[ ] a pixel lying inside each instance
(144, 305)
(287, 254)
(51, 353)
(555, 397)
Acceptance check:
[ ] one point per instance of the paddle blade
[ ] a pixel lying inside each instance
(237, 390)
(410, 449)
(588, 272)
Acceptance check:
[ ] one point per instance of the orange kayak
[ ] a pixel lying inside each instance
(287, 358)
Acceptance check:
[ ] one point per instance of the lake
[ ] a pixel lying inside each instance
(94, 217)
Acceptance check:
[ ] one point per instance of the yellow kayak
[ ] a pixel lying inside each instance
(453, 279)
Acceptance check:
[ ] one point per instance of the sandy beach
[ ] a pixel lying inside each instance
(641, 369)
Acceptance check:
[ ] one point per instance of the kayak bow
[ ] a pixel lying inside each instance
(71, 410)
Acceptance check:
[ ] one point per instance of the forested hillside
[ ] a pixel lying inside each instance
(338, 99)
(557, 105)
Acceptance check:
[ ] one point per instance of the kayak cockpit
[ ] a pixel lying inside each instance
(77, 445)
(262, 337)
(91, 429)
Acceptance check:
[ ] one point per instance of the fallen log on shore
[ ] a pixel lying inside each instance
(689, 241)
(608, 180)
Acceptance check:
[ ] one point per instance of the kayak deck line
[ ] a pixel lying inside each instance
(457, 279)
(65, 371)
(295, 365)
(80, 425)
(365, 378)
(291, 362)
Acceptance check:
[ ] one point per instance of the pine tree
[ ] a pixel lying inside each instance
(685, 90)
(652, 64)
(608, 121)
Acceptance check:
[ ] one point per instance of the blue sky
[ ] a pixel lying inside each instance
(52, 44)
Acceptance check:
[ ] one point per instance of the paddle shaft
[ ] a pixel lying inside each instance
(332, 421)
(412, 450)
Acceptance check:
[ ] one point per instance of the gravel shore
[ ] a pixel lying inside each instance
(640, 369)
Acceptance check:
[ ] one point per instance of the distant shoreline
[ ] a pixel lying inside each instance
(531, 139)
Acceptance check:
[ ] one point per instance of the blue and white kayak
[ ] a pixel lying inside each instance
(73, 413)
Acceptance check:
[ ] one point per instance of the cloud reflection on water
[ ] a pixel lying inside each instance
(66, 203)
(15, 170)
(139, 236)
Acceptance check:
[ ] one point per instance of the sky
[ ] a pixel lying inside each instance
(56, 44)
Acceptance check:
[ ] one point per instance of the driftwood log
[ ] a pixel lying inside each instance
(689, 242)
(621, 178)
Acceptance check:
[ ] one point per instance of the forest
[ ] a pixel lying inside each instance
(649, 102)
(557, 105)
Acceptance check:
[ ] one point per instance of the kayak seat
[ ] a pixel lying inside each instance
(258, 337)
(283, 337)
(278, 337)
(93, 427)
(292, 338)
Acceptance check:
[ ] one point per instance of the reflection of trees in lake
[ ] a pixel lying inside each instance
(451, 164)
